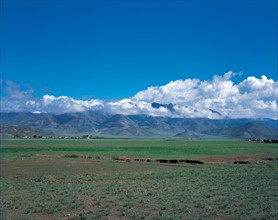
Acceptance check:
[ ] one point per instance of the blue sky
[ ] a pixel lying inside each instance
(113, 49)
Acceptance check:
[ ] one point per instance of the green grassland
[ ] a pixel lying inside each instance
(39, 182)
(136, 148)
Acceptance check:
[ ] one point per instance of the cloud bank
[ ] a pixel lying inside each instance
(189, 98)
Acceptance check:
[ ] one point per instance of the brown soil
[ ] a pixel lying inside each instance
(164, 161)
(68, 156)
(30, 168)
(230, 159)
(236, 159)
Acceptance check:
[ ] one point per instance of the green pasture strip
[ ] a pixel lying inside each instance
(156, 149)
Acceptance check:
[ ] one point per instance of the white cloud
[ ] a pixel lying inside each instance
(251, 98)
(130, 107)
(64, 104)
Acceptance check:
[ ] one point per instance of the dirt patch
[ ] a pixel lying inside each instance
(71, 155)
(229, 159)
(131, 159)
(82, 156)
(193, 162)
(33, 168)
(123, 158)
(48, 155)
(236, 159)
(269, 158)
(241, 162)
(164, 161)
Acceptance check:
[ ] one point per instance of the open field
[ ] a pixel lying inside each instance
(91, 179)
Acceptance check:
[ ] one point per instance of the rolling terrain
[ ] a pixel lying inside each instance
(101, 123)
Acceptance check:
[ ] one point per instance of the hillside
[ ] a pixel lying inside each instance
(252, 130)
(8, 131)
(101, 123)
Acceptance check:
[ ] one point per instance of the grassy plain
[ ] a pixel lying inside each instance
(39, 182)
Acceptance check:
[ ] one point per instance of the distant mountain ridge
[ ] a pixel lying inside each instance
(102, 123)
(7, 131)
(252, 130)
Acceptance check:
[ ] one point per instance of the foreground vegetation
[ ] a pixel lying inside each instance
(39, 182)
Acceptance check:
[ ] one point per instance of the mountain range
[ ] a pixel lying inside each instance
(97, 123)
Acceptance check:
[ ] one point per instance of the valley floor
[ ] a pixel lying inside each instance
(85, 179)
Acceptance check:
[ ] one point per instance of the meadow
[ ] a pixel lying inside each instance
(82, 179)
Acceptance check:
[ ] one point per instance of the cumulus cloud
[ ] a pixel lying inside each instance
(63, 104)
(131, 107)
(216, 98)
(253, 97)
